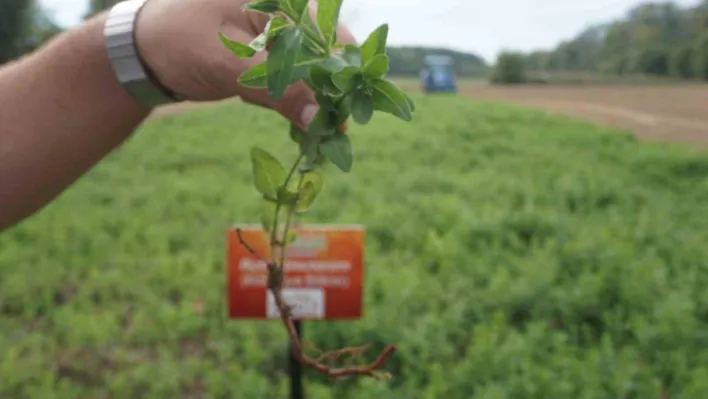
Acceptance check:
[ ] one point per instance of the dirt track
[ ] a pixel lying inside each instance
(675, 113)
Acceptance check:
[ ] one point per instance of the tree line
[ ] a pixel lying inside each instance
(408, 61)
(660, 39)
(26, 25)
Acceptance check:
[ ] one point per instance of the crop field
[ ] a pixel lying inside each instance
(510, 254)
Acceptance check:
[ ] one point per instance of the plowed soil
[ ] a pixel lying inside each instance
(676, 113)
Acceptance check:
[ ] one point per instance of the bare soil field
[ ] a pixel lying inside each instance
(676, 112)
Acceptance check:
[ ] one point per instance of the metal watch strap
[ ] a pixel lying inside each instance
(130, 70)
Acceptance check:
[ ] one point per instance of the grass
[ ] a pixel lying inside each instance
(510, 254)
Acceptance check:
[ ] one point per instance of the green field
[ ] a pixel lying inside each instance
(510, 254)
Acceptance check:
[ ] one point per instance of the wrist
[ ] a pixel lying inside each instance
(128, 58)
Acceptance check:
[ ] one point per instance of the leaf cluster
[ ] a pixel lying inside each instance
(348, 80)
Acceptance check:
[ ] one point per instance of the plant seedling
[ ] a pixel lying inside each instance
(348, 81)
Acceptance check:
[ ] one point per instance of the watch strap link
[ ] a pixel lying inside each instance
(127, 64)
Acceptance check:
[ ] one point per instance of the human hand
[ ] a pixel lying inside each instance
(178, 39)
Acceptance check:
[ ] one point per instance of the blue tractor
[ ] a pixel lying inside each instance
(438, 74)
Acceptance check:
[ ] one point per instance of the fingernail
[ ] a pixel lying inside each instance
(308, 113)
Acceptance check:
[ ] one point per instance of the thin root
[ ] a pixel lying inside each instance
(370, 370)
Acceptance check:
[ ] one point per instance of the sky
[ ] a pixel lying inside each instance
(482, 27)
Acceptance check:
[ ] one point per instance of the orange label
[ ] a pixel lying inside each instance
(323, 273)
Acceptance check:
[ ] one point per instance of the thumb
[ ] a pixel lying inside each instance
(298, 105)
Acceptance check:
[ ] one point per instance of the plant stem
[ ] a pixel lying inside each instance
(288, 218)
(318, 40)
(318, 44)
(274, 242)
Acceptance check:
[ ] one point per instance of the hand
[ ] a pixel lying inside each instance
(179, 40)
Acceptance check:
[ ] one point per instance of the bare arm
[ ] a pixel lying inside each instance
(61, 111)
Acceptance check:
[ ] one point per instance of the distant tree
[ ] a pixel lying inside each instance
(681, 62)
(651, 61)
(97, 6)
(408, 61)
(537, 60)
(14, 22)
(41, 28)
(509, 68)
(657, 38)
(700, 57)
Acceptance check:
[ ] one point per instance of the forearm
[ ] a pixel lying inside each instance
(61, 111)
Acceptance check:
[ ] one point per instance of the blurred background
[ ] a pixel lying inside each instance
(537, 231)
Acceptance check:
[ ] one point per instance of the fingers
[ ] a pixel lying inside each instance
(297, 104)
(344, 35)
(292, 103)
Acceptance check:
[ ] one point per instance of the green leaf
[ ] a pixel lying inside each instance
(339, 150)
(347, 78)
(295, 133)
(275, 26)
(300, 72)
(310, 188)
(321, 80)
(325, 102)
(313, 40)
(352, 55)
(344, 109)
(255, 77)
(387, 97)
(286, 197)
(299, 8)
(319, 76)
(268, 173)
(290, 237)
(306, 23)
(362, 107)
(323, 124)
(263, 6)
(410, 102)
(315, 178)
(377, 67)
(309, 147)
(333, 63)
(281, 61)
(374, 44)
(308, 56)
(328, 19)
(240, 50)
(267, 215)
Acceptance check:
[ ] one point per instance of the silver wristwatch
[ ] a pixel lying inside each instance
(130, 69)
